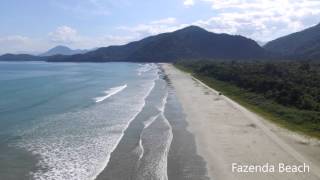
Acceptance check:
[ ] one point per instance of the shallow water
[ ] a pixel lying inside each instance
(50, 112)
(93, 121)
(157, 145)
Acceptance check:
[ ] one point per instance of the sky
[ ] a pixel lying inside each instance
(34, 26)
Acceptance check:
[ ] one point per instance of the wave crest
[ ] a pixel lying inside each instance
(110, 92)
(145, 68)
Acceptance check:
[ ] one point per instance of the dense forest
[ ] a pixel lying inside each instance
(286, 90)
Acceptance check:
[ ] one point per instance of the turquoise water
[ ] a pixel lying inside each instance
(63, 120)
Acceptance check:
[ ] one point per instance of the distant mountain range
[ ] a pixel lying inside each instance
(56, 51)
(190, 43)
(21, 57)
(300, 45)
(63, 50)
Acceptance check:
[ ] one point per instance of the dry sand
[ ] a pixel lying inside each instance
(227, 133)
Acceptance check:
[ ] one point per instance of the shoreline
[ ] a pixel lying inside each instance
(157, 144)
(227, 133)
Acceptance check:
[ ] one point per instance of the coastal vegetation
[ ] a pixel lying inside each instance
(287, 93)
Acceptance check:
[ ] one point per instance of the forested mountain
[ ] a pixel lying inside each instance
(187, 43)
(301, 45)
(63, 50)
(191, 43)
(21, 57)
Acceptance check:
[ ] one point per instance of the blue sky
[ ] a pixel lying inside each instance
(36, 25)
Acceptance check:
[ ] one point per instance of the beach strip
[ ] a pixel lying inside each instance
(238, 144)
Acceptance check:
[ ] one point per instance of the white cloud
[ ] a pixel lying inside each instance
(14, 39)
(188, 2)
(154, 27)
(101, 41)
(258, 19)
(64, 35)
(21, 44)
(261, 19)
(167, 21)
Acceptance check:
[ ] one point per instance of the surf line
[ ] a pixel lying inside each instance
(110, 92)
(122, 134)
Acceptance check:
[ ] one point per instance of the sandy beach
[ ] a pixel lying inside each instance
(227, 135)
(157, 144)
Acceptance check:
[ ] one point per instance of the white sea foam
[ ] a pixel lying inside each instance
(164, 161)
(111, 92)
(127, 125)
(142, 149)
(158, 169)
(164, 102)
(77, 145)
(165, 157)
(145, 68)
(161, 108)
(148, 122)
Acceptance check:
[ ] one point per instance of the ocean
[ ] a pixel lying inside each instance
(74, 121)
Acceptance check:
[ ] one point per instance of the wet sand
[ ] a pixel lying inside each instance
(16, 163)
(144, 153)
(183, 161)
(227, 133)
